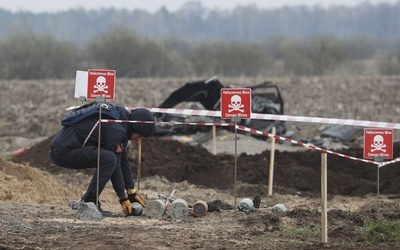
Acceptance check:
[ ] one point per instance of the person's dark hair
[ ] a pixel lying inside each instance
(143, 128)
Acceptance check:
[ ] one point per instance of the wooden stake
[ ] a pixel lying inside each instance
(214, 132)
(324, 194)
(271, 163)
(139, 163)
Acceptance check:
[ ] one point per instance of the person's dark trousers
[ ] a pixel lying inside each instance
(86, 157)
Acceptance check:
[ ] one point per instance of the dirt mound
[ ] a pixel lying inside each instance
(295, 172)
(27, 184)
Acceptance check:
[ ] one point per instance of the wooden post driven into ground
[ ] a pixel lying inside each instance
(139, 163)
(214, 133)
(324, 194)
(271, 162)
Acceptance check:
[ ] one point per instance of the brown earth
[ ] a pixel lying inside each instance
(34, 193)
(296, 173)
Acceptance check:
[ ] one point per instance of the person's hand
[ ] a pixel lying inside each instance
(133, 196)
(126, 206)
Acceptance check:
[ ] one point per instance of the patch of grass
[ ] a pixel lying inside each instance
(5, 157)
(384, 231)
(304, 231)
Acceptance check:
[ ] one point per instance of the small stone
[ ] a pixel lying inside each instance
(88, 211)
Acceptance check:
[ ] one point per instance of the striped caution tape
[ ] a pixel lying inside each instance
(362, 123)
(266, 134)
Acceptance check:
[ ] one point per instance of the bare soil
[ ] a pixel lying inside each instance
(34, 193)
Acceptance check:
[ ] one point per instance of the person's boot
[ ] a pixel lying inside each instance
(105, 213)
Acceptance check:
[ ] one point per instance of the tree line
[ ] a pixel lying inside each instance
(195, 23)
(33, 56)
(200, 42)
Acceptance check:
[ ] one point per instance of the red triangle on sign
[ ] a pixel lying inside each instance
(119, 149)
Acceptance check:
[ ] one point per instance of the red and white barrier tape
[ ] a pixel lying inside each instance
(361, 123)
(254, 131)
(266, 134)
(382, 164)
(311, 146)
(175, 123)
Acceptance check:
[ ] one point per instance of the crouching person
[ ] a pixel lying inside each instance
(76, 147)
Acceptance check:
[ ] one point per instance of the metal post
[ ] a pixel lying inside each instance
(235, 184)
(139, 170)
(100, 100)
(378, 159)
(214, 133)
(235, 119)
(73, 185)
(83, 100)
(378, 202)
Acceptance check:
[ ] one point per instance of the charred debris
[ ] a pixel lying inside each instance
(266, 98)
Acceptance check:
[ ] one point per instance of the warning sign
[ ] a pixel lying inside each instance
(378, 143)
(101, 83)
(235, 102)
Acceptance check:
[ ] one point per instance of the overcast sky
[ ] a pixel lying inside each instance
(153, 5)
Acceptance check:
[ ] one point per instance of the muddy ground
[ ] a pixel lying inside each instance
(34, 193)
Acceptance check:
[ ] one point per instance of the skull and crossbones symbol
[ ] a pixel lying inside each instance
(101, 85)
(378, 144)
(236, 104)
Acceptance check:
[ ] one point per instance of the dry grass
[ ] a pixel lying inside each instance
(34, 108)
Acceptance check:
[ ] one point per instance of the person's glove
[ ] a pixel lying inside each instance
(126, 206)
(134, 197)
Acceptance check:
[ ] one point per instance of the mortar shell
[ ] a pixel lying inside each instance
(137, 209)
(279, 208)
(178, 209)
(246, 205)
(200, 208)
(155, 208)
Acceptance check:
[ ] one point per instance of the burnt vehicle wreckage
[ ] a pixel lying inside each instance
(266, 98)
